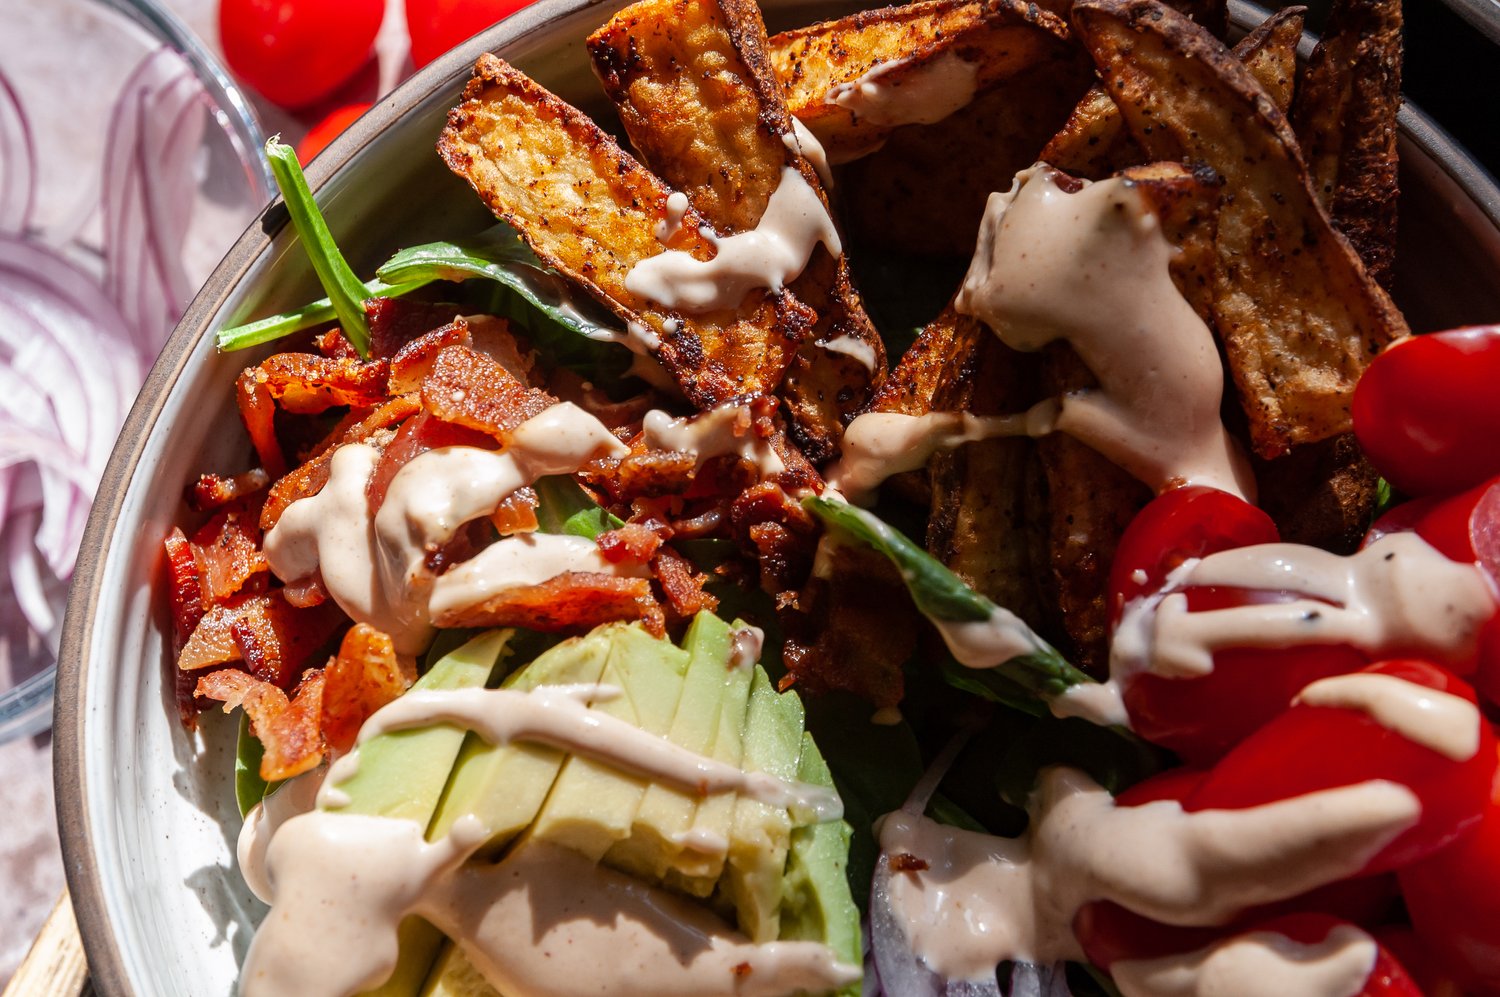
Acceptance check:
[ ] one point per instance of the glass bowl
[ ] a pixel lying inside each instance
(82, 85)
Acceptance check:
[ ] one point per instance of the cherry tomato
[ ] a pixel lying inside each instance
(438, 25)
(1427, 413)
(296, 52)
(1454, 901)
(325, 131)
(1310, 748)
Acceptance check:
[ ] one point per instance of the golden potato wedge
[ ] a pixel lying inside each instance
(925, 190)
(1094, 143)
(1299, 316)
(1345, 120)
(694, 89)
(852, 80)
(588, 209)
(1320, 494)
(941, 352)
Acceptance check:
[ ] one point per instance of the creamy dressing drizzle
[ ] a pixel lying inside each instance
(983, 900)
(635, 337)
(1398, 595)
(878, 445)
(545, 922)
(803, 142)
(1091, 269)
(1259, 964)
(852, 346)
(926, 95)
(1446, 723)
(559, 716)
(768, 256)
(376, 571)
(724, 430)
(527, 559)
(744, 651)
(671, 222)
(296, 796)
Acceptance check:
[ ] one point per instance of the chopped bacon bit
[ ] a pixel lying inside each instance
(625, 414)
(394, 322)
(306, 384)
(361, 424)
(470, 539)
(416, 436)
(306, 593)
(470, 389)
(227, 551)
(494, 338)
(646, 474)
(258, 413)
(516, 513)
(413, 360)
(183, 589)
(361, 678)
(212, 640)
(631, 542)
(907, 862)
(310, 478)
(277, 639)
(211, 491)
(575, 601)
(333, 345)
(743, 969)
(288, 729)
(683, 584)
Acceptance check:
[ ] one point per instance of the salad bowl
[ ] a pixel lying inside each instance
(147, 816)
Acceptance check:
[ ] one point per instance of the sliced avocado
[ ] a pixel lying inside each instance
(453, 975)
(761, 834)
(662, 822)
(504, 785)
(816, 903)
(593, 805)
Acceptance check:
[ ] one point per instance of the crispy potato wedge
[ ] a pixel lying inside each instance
(1345, 120)
(1299, 316)
(927, 60)
(1094, 143)
(1321, 494)
(925, 190)
(694, 88)
(589, 210)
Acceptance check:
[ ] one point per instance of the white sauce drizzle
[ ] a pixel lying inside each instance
(724, 430)
(1446, 723)
(768, 256)
(852, 346)
(1398, 595)
(924, 96)
(1091, 268)
(376, 571)
(804, 143)
(636, 337)
(513, 562)
(1259, 964)
(671, 222)
(296, 796)
(983, 900)
(748, 642)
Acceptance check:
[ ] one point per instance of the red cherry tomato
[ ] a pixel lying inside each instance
(325, 131)
(1310, 748)
(1454, 901)
(438, 25)
(1427, 414)
(296, 52)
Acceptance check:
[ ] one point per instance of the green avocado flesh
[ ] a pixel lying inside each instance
(767, 875)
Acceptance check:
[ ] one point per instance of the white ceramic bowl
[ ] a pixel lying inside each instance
(147, 812)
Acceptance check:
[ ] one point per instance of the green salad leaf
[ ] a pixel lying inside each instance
(242, 337)
(564, 507)
(249, 787)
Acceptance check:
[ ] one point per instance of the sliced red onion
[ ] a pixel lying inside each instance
(17, 162)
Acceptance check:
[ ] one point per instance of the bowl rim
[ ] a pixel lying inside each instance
(75, 822)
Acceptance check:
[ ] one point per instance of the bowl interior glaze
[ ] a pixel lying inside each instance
(147, 811)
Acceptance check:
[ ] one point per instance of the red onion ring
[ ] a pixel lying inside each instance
(17, 162)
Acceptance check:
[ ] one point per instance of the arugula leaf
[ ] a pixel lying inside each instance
(346, 292)
(249, 787)
(564, 507)
(943, 597)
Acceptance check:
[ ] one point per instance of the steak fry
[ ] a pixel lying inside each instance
(590, 211)
(1345, 120)
(922, 61)
(1299, 316)
(694, 88)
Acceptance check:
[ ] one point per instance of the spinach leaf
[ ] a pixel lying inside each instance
(249, 787)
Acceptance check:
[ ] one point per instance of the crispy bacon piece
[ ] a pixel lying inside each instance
(307, 384)
(288, 729)
(625, 414)
(470, 389)
(211, 491)
(304, 593)
(212, 639)
(416, 436)
(631, 542)
(414, 359)
(277, 640)
(333, 344)
(516, 513)
(359, 680)
(395, 322)
(227, 551)
(310, 478)
(186, 601)
(682, 583)
(575, 601)
(258, 413)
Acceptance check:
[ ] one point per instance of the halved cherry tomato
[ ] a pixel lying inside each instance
(438, 25)
(1427, 413)
(325, 131)
(1454, 901)
(296, 52)
(1310, 748)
